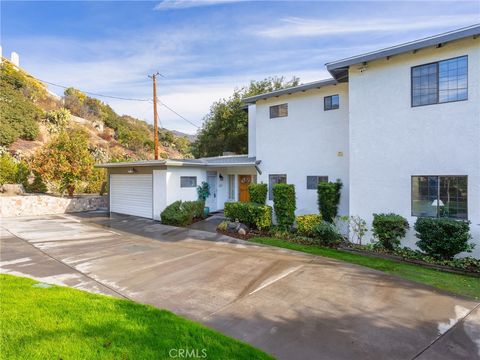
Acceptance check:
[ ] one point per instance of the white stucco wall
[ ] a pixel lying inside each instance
(222, 186)
(174, 191)
(252, 140)
(390, 141)
(159, 192)
(306, 142)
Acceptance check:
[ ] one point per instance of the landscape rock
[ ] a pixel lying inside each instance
(12, 189)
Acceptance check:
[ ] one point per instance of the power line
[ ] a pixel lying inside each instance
(94, 94)
(127, 99)
(176, 113)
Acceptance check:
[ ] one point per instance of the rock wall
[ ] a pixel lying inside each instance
(30, 205)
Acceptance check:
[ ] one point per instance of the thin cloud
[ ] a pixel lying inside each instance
(303, 27)
(186, 4)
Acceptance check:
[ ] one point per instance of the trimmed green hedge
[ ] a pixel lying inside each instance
(284, 205)
(328, 199)
(306, 224)
(251, 214)
(258, 193)
(182, 213)
(389, 229)
(443, 238)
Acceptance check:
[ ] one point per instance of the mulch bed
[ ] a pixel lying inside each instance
(409, 261)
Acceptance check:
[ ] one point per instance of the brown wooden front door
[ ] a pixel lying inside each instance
(244, 181)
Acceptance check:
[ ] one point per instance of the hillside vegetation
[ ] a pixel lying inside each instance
(34, 124)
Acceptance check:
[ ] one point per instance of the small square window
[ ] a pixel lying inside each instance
(278, 111)
(313, 181)
(188, 181)
(331, 102)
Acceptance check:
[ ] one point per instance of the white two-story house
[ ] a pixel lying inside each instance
(400, 127)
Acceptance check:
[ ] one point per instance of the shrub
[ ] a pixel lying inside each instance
(222, 226)
(328, 199)
(250, 214)
(258, 193)
(443, 238)
(327, 233)
(182, 213)
(284, 205)
(57, 120)
(37, 186)
(389, 229)
(195, 208)
(12, 171)
(306, 224)
(358, 228)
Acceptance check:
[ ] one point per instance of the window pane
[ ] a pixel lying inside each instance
(453, 75)
(313, 181)
(231, 187)
(453, 197)
(188, 181)
(278, 111)
(424, 85)
(275, 179)
(331, 102)
(424, 195)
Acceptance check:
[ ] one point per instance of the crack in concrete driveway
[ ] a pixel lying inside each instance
(289, 304)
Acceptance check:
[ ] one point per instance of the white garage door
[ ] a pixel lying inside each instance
(131, 195)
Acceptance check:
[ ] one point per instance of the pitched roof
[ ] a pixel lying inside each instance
(339, 68)
(216, 161)
(290, 90)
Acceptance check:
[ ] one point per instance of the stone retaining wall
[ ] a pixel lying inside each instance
(30, 205)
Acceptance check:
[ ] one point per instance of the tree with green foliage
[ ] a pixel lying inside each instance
(65, 161)
(225, 128)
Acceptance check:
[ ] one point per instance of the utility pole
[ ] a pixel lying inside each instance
(155, 115)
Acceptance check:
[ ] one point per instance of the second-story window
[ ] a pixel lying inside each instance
(440, 82)
(278, 111)
(331, 102)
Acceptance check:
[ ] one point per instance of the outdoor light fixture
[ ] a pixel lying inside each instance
(220, 177)
(132, 171)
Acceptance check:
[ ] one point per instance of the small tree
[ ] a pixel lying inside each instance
(203, 191)
(65, 161)
(328, 199)
(358, 227)
(284, 205)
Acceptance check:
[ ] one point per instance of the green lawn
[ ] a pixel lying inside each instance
(459, 284)
(64, 323)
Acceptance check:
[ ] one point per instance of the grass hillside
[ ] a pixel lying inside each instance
(26, 110)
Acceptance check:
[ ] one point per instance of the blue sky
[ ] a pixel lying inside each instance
(206, 48)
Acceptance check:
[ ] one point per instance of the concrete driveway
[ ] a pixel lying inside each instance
(292, 305)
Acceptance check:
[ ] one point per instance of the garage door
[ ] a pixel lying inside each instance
(131, 195)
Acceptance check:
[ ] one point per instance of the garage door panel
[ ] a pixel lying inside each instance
(131, 194)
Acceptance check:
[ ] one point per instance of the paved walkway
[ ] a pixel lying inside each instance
(292, 305)
(209, 224)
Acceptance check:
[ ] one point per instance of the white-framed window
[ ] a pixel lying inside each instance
(188, 181)
(278, 111)
(231, 187)
(275, 179)
(314, 180)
